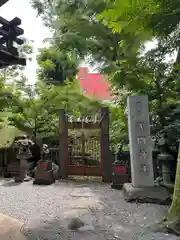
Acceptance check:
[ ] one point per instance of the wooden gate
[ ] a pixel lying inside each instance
(85, 154)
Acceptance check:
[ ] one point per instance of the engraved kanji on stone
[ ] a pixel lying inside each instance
(141, 140)
(143, 154)
(140, 126)
(143, 168)
(139, 107)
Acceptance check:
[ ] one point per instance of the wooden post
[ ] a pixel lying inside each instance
(106, 158)
(63, 145)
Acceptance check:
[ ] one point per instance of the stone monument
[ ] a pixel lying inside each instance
(142, 186)
(140, 142)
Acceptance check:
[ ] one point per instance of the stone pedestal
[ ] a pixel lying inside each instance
(147, 194)
(119, 180)
(119, 175)
(44, 177)
(44, 173)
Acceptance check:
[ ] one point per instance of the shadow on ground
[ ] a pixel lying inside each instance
(11, 184)
(47, 210)
(112, 218)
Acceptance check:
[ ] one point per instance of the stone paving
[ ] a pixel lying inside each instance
(47, 210)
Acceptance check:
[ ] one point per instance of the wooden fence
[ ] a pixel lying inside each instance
(7, 155)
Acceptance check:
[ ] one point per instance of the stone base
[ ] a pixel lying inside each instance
(19, 179)
(44, 177)
(169, 187)
(6, 175)
(146, 195)
(43, 181)
(119, 180)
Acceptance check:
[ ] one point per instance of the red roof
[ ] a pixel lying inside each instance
(94, 84)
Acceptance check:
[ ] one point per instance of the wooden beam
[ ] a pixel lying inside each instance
(8, 59)
(12, 51)
(2, 2)
(17, 40)
(5, 32)
(14, 22)
(78, 125)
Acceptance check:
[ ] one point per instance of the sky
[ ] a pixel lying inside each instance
(33, 30)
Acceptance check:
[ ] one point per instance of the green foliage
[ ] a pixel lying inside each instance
(76, 30)
(118, 126)
(35, 109)
(146, 73)
(29, 112)
(8, 133)
(113, 34)
(56, 66)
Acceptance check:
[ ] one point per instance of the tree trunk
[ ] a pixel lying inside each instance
(159, 102)
(175, 206)
(172, 221)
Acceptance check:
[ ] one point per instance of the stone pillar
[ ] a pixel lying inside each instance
(63, 145)
(106, 157)
(140, 142)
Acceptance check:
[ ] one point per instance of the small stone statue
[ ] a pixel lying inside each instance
(45, 151)
(119, 152)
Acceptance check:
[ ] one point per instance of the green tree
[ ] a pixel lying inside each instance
(149, 19)
(77, 30)
(118, 126)
(35, 108)
(146, 73)
(29, 111)
(56, 66)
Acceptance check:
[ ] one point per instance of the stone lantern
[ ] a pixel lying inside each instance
(23, 153)
(166, 160)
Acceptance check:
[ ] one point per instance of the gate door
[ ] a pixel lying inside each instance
(84, 156)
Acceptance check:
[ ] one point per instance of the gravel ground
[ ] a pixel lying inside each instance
(47, 210)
